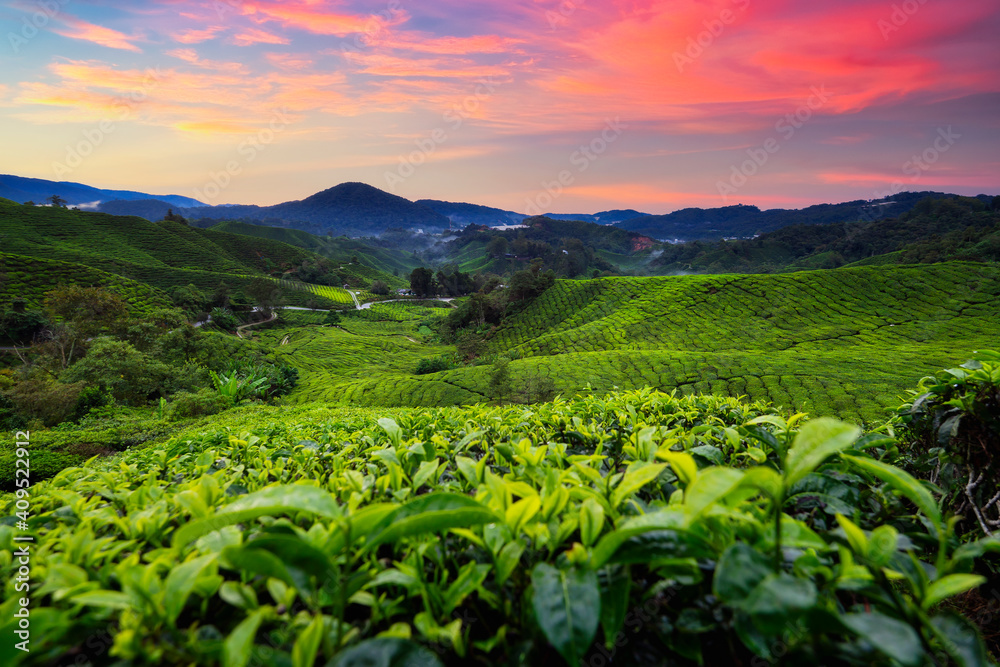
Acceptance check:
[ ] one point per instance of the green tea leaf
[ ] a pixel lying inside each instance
(274, 501)
(892, 637)
(946, 587)
(635, 478)
(180, 582)
(711, 485)
(307, 643)
(903, 482)
(434, 512)
(738, 572)
(615, 583)
(816, 441)
(567, 606)
(109, 599)
(961, 640)
(238, 647)
(386, 652)
(778, 600)
(591, 521)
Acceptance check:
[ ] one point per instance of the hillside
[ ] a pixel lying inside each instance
(933, 230)
(337, 248)
(462, 214)
(568, 247)
(20, 190)
(742, 221)
(845, 342)
(164, 255)
(29, 278)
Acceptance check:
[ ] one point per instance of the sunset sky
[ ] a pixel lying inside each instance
(630, 104)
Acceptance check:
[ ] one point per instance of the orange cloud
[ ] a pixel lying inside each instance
(78, 29)
(251, 36)
(197, 36)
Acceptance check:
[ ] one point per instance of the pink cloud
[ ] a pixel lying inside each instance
(251, 36)
(197, 36)
(79, 29)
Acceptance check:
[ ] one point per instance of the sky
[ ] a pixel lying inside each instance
(568, 106)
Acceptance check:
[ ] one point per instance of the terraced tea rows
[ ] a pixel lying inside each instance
(29, 278)
(336, 295)
(846, 342)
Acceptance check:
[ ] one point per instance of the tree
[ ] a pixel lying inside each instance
(497, 247)
(265, 294)
(77, 315)
(996, 203)
(120, 370)
(379, 287)
(500, 382)
(57, 201)
(174, 217)
(422, 281)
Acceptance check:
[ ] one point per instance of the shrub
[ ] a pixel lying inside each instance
(433, 365)
(197, 404)
(953, 428)
(224, 318)
(120, 370)
(43, 399)
(89, 399)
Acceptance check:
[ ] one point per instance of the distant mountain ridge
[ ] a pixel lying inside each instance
(38, 190)
(742, 221)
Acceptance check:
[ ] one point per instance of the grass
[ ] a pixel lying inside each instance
(846, 342)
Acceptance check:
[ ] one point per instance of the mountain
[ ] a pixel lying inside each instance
(935, 229)
(740, 221)
(354, 209)
(150, 209)
(473, 214)
(20, 189)
(618, 215)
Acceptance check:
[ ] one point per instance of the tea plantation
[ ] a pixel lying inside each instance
(847, 342)
(638, 528)
(413, 502)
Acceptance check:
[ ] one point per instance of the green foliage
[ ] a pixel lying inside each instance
(952, 425)
(433, 365)
(127, 374)
(935, 230)
(201, 403)
(643, 523)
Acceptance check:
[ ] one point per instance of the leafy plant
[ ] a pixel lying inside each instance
(953, 428)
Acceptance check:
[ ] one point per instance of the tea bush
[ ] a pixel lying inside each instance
(639, 528)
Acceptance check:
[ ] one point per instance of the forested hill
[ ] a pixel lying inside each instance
(933, 230)
(741, 221)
